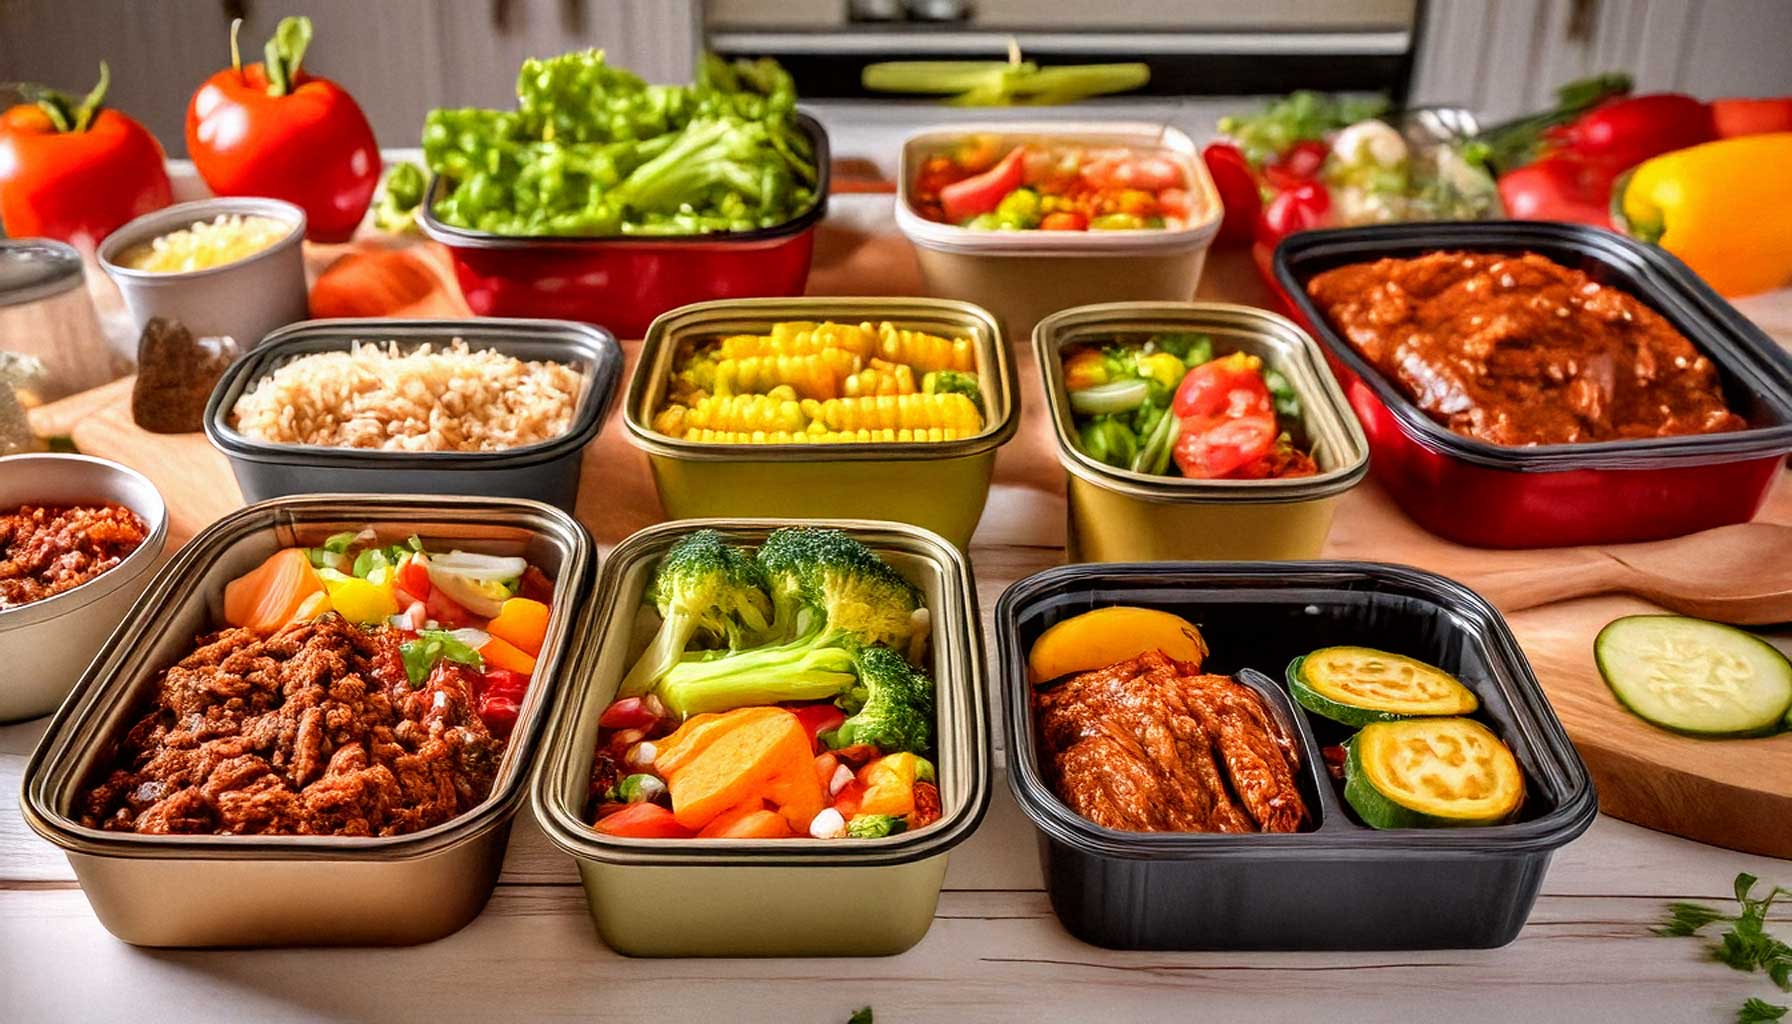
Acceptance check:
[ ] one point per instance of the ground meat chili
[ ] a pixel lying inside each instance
(47, 549)
(1149, 745)
(1520, 350)
(314, 730)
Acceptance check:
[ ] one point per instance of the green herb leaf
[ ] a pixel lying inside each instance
(1757, 1011)
(862, 1015)
(339, 542)
(431, 647)
(1687, 919)
(367, 561)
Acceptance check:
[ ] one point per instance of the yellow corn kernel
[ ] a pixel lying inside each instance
(746, 413)
(880, 377)
(670, 421)
(801, 338)
(921, 351)
(948, 411)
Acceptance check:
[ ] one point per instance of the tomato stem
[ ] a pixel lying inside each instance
(236, 50)
(284, 53)
(61, 109)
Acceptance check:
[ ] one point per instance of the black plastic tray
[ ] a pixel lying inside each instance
(1756, 373)
(1337, 885)
(548, 471)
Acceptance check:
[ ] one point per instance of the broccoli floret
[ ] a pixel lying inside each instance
(891, 705)
(946, 382)
(874, 826)
(830, 597)
(705, 589)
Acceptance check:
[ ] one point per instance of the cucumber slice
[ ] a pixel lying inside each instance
(1359, 685)
(1431, 773)
(1695, 677)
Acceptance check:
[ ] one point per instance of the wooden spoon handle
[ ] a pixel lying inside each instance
(1563, 575)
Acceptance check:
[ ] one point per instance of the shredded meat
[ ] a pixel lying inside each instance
(45, 550)
(312, 731)
(1148, 745)
(1520, 350)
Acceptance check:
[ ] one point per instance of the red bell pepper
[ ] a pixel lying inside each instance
(1299, 163)
(1298, 209)
(629, 713)
(76, 171)
(965, 199)
(643, 821)
(1558, 187)
(1733, 117)
(817, 719)
(1237, 186)
(1623, 132)
(500, 701)
(270, 129)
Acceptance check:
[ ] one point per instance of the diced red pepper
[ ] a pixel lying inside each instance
(446, 610)
(535, 586)
(849, 798)
(1300, 163)
(412, 578)
(817, 719)
(965, 199)
(499, 713)
(1237, 186)
(1300, 208)
(628, 713)
(503, 682)
(643, 821)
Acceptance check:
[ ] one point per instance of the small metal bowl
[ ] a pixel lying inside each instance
(244, 299)
(46, 645)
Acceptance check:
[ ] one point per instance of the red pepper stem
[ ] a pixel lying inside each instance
(236, 50)
(62, 110)
(284, 53)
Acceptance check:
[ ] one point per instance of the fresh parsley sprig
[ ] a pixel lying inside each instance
(1745, 946)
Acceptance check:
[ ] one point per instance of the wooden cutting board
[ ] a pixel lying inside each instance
(1734, 793)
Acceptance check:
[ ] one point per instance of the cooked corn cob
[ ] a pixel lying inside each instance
(886, 434)
(924, 352)
(802, 338)
(816, 375)
(770, 412)
(880, 378)
(910, 412)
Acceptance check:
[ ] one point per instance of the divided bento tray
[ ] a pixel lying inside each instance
(1336, 884)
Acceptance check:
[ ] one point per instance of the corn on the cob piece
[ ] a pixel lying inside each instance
(880, 377)
(910, 412)
(867, 436)
(816, 375)
(802, 338)
(924, 352)
(778, 411)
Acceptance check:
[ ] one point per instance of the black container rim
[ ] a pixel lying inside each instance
(469, 238)
(1573, 814)
(1003, 382)
(1324, 409)
(577, 839)
(1718, 330)
(597, 345)
(91, 696)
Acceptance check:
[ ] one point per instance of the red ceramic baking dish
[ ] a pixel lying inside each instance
(1489, 495)
(623, 281)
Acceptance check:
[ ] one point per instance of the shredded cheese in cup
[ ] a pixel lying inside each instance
(226, 239)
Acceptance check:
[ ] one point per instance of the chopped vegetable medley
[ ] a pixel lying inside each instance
(1167, 406)
(779, 697)
(824, 383)
(1053, 187)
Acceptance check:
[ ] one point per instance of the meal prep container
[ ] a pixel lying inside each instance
(938, 485)
(548, 471)
(242, 300)
(47, 315)
(195, 890)
(1473, 492)
(624, 281)
(767, 897)
(45, 645)
(1339, 885)
(1021, 276)
(1116, 515)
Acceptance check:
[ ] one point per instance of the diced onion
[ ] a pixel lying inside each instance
(482, 568)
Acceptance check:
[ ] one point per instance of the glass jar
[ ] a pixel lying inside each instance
(47, 315)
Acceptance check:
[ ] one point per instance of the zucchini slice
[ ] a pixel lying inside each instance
(1695, 677)
(1359, 685)
(1431, 773)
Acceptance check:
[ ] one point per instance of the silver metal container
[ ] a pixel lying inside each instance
(243, 300)
(548, 471)
(209, 890)
(767, 897)
(46, 644)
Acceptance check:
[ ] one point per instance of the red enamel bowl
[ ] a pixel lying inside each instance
(1608, 492)
(624, 281)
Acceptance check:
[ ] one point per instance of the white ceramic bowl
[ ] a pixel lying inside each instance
(245, 299)
(46, 645)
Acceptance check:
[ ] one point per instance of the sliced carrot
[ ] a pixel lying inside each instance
(741, 754)
(500, 653)
(271, 595)
(521, 622)
(756, 824)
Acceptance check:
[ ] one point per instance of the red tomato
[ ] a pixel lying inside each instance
(412, 577)
(1229, 386)
(1751, 116)
(76, 171)
(1238, 192)
(817, 719)
(499, 714)
(445, 610)
(643, 821)
(1175, 202)
(1211, 447)
(628, 713)
(965, 199)
(1149, 173)
(256, 131)
(1300, 163)
(1298, 209)
(1558, 188)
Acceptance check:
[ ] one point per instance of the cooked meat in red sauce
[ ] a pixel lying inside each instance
(1149, 745)
(47, 549)
(1520, 350)
(314, 730)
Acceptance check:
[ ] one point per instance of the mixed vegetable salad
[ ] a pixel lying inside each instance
(779, 697)
(823, 383)
(488, 613)
(592, 149)
(1165, 405)
(1053, 186)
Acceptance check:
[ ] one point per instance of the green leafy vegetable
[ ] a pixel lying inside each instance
(397, 209)
(339, 543)
(1758, 1011)
(1297, 117)
(862, 1015)
(875, 826)
(431, 647)
(1745, 945)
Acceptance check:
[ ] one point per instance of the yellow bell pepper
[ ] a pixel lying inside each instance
(1163, 367)
(1723, 207)
(890, 783)
(364, 601)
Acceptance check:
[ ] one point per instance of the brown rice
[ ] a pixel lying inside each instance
(428, 399)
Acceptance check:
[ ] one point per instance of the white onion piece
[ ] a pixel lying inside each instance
(474, 638)
(483, 568)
